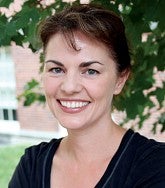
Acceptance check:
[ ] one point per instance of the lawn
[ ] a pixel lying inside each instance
(9, 157)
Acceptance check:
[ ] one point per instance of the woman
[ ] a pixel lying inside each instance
(87, 62)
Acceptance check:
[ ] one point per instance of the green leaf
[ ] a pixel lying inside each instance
(5, 3)
(160, 14)
(31, 84)
(10, 29)
(162, 122)
(18, 39)
(3, 21)
(134, 104)
(30, 98)
(159, 93)
(41, 98)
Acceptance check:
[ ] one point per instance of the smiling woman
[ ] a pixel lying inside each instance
(87, 62)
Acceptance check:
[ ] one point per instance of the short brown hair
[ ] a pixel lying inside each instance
(95, 22)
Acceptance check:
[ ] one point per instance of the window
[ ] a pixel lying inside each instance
(8, 114)
(8, 101)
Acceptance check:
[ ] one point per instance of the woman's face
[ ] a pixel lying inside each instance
(79, 85)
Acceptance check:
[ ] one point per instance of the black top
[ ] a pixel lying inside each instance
(138, 163)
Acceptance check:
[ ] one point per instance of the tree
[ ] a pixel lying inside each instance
(145, 28)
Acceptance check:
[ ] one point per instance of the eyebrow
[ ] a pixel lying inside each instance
(82, 65)
(86, 64)
(55, 62)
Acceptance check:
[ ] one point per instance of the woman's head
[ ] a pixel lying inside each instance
(94, 22)
(86, 55)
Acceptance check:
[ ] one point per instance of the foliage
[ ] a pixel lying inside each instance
(32, 93)
(141, 18)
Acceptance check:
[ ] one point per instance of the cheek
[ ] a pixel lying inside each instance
(101, 90)
(49, 86)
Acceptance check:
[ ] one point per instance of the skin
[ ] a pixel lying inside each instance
(88, 75)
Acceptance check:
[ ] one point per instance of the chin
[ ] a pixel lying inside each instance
(72, 124)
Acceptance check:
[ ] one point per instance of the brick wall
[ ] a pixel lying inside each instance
(35, 117)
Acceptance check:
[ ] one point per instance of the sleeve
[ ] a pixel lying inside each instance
(22, 173)
(153, 167)
(158, 185)
(158, 181)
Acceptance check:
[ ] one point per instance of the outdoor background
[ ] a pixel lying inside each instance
(24, 116)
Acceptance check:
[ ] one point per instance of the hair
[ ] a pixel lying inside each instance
(94, 22)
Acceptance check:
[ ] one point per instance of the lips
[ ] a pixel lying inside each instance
(73, 104)
(69, 105)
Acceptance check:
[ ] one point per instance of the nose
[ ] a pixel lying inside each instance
(71, 83)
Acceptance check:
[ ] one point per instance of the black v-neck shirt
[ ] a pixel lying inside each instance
(138, 163)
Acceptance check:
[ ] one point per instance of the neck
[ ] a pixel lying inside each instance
(86, 145)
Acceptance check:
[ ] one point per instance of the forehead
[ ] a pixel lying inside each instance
(75, 43)
(89, 50)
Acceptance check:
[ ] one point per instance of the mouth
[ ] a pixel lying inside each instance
(73, 104)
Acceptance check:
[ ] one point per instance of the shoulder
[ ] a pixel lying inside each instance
(148, 147)
(31, 164)
(36, 151)
(142, 147)
(144, 153)
(149, 161)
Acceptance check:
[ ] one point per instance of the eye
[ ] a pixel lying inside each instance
(56, 70)
(92, 72)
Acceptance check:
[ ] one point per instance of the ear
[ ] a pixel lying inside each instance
(121, 82)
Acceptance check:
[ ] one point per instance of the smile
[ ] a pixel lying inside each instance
(73, 104)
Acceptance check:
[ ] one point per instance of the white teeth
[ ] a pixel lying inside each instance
(73, 104)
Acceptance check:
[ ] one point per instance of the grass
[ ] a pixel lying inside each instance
(9, 158)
